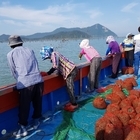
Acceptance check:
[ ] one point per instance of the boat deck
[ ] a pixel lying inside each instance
(63, 125)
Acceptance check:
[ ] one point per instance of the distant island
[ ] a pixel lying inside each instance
(95, 31)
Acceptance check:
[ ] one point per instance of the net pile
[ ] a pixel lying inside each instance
(79, 125)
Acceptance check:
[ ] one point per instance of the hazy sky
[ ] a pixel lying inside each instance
(26, 17)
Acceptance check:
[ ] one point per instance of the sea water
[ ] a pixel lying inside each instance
(69, 48)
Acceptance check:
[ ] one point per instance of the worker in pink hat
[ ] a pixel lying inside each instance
(95, 60)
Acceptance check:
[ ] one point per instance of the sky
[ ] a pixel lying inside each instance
(26, 17)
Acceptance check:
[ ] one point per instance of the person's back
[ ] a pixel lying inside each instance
(26, 70)
(137, 54)
(113, 51)
(90, 53)
(114, 47)
(66, 68)
(29, 83)
(62, 64)
(95, 60)
(137, 41)
(87, 50)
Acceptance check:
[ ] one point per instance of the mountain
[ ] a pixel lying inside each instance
(95, 31)
(4, 37)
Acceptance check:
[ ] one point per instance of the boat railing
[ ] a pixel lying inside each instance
(52, 83)
(54, 92)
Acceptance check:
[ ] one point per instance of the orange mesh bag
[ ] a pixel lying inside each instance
(110, 86)
(130, 111)
(132, 98)
(116, 88)
(135, 122)
(109, 97)
(115, 98)
(112, 132)
(128, 85)
(113, 108)
(100, 128)
(113, 119)
(124, 103)
(99, 102)
(124, 70)
(137, 109)
(131, 132)
(134, 92)
(136, 102)
(121, 94)
(137, 117)
(123, 117)
(132, 80)
(130, 70)
(119, 82)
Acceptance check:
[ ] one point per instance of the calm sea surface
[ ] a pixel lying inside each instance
(69, 48)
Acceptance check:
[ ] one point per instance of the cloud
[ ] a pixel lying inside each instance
(64, 15)
(94, 13)
(128, 8)
(12, 22)
(53, 14)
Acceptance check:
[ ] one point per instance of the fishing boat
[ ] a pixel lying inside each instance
(56, 123)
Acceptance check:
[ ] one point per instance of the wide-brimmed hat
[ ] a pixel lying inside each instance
(15, 40)
(46, 52)
(129, 35)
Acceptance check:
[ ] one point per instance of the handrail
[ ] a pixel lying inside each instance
(10, 88)
(51, 83)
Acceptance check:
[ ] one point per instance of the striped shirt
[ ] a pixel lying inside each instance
(128, 44)
(62, 64)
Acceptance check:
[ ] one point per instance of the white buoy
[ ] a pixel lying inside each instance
(3, 132)
(58, 103)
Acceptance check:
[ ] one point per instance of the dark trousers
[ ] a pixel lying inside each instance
(129, 58)
(26, 96)
(70, 85)
(94, 72)
(115, 63)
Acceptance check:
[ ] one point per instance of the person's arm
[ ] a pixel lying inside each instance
(11, 66)
(108, 50)
(80, 56)
(51, 71)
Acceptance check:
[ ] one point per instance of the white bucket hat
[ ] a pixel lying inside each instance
(84, 43)
(15, 40)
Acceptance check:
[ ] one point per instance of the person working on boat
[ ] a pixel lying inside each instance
(66, 68)
(113, 52)
(128, 45)
(137, 54)
(29, 83)
(95, 60)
